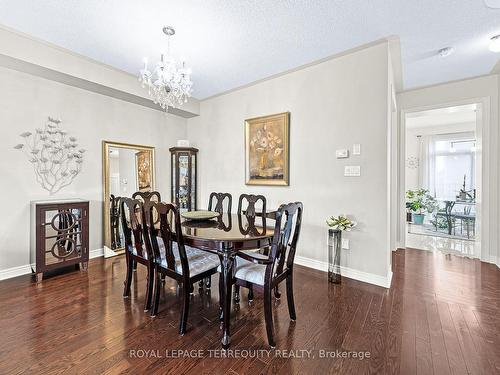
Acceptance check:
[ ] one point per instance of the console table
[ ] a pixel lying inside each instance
(59, 235)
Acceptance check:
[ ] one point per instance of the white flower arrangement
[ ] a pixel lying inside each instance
(341, 222)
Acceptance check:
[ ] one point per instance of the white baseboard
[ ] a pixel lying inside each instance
(26, 269)
(495, 260)
(15, 271)
(351, 273)
(96, 253)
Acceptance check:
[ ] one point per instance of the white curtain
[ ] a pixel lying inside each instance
(427, 155)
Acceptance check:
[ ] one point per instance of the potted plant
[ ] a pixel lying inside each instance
(337, 225)
(419, 202)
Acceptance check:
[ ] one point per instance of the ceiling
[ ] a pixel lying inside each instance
(463, 114)
(230, 43)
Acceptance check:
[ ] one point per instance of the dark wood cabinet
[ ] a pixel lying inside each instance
(59, 235)
(184, 182)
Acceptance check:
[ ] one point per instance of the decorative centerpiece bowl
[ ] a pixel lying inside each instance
(200, 215)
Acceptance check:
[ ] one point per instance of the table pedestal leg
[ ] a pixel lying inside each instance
(227, 261)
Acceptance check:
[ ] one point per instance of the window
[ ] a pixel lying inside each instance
(454, 161)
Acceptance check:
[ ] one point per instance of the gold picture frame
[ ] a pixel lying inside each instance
(267, 150)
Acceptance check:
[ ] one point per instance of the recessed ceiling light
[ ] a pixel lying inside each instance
(447, 51)
(495, 44)
(495, 4)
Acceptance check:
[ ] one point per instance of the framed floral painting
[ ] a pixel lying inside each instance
(267, 150)
(143, 170)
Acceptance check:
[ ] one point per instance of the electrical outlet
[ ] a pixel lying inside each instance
(352, 171)
(345, 243)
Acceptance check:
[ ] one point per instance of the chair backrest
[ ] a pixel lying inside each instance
(147, 196)
(169, 229)
(132, 214)
(252, 225)
(286, 235)
(251, 202)
(217, 200)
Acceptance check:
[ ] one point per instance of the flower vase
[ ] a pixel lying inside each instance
(334, 249)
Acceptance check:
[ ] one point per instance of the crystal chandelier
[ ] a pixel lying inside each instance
(169, 85)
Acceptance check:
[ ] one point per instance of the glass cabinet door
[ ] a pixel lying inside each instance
(184, 170)
(193, 182)
(184, 195)
(62, 235)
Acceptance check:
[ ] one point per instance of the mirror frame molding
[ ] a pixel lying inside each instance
(106, 145)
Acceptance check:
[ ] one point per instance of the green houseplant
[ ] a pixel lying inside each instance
(419, 202)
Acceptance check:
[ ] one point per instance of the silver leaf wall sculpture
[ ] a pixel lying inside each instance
(55, 156)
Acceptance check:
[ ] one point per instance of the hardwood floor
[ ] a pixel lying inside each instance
(441, 316)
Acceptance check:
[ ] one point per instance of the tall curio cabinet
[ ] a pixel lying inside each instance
(184, 168)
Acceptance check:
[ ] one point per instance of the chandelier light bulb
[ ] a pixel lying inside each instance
(495, 44)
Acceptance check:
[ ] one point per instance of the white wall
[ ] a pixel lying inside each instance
(333, 104)
(25, 103)
(484, 90)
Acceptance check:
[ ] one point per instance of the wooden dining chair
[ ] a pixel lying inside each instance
(115, 221)
(248, 204)
(265, 273)
(216, 202)
(147, 196)
(137, 250)
(173, 258)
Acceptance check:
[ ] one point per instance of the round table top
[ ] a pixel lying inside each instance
(229, 227)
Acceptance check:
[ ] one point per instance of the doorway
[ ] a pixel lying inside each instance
(442, 186)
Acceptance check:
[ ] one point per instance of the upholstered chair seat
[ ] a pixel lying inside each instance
(249, 271)
(199, 261)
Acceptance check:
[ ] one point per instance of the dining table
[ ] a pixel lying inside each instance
(225, 236)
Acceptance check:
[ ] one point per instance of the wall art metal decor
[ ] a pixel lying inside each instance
(267, 150)
(55, 155)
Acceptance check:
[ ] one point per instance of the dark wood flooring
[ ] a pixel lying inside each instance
(441, 316)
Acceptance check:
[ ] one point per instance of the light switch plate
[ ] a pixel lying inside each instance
(352, 171)
(342, 154)
(356, 149)
(345, 244)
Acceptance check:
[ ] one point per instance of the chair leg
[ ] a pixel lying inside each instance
(237, 293)
(221, 296)
(277, 292)
(208, 282)
(269, 316)
(200, 284)
(250, 294)
(128, 278)
(289, 297)
(189, 287)
(135, 265)
(185, 308)
(149, 287)
(156, 296)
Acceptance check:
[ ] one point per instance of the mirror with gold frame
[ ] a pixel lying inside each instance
(127, 168)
